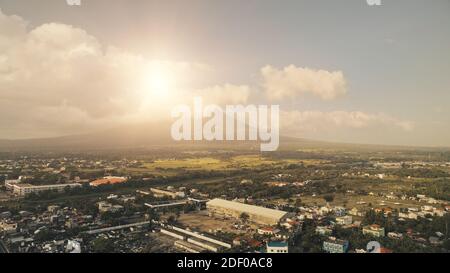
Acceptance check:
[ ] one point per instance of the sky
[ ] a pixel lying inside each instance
(340, 70)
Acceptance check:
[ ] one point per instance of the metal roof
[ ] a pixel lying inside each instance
(250, 209)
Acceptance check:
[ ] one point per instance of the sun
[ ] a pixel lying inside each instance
(158, 82)
(159, 79)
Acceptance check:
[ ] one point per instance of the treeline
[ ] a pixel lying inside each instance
(421, 173)
(133, 183)
(439, 189)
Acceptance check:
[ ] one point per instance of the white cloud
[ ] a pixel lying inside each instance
(56, 79)
(306, 122)
(62, 71)
(225, 94)
(291, 82)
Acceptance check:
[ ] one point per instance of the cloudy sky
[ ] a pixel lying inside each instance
(340, 70)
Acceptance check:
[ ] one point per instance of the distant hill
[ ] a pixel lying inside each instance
(131, 136)
(158, 134)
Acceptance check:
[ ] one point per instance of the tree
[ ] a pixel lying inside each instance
(103, 245)
(45, 235)
(446, 244)
(244, 217)
(171, 220)
(328, 198)
(153, 215)
(345, 203)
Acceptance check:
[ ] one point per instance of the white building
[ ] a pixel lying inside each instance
(334, 245)
(26, 189)
(344, 220)
(323, 230)
(408, 215)
(395, 235)
(173, 194)
(108, 207)
(374, 230)
(256, 214)
(268, 231)
(73, 247)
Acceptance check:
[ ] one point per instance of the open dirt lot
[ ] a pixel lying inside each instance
(201, 221)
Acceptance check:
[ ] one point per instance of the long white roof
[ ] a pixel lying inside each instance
(265, 212)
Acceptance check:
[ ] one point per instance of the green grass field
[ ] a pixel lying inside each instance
(213, 164)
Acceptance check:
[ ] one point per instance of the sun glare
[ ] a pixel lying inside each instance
(159, 82)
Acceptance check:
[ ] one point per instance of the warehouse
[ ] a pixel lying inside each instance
(259, 215)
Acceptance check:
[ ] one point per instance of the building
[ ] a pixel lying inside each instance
(323, 230)
(259, 215)
(189, 247)
(395, 235)
(108, 180)
(9, 184)
(193, 241)
(434, 240)
(207, 238)
(109, 229)
(344, 220)
(73, 247)
(277, 247)
(374, 230)
(167, 204)
(26, 189)
(53, 208)
(204, 244)
(5, 215)
(161, 193)
(333, 245)
(408, 215)
(268, 231)
(8, 227)
(340, 211)
(108, 207)
(355, 212)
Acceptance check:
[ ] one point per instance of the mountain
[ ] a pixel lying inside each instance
(158, 134)
(132, 136)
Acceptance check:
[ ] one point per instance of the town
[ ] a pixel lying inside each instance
(200, 201)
